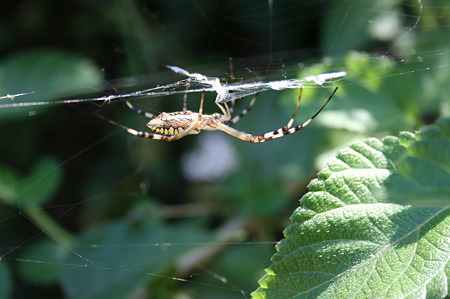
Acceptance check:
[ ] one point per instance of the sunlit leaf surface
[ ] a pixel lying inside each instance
(349, 241)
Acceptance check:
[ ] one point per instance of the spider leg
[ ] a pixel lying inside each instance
(225, 109)
(242, 113)
(232, 105)
(148, 135)
(185, 97)
(281, 132)
(200, 109)
(297, 105)
(199, 124)
(139, 111)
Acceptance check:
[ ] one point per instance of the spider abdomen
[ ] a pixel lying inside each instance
(173, 123)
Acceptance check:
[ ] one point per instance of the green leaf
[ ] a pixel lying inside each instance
(422, 166)
(8, 178)
(45, 75)
(115, 260)
(349, 241)
(5, 281)
(39, 186)
(42, 264)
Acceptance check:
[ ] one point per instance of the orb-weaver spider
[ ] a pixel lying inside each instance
(175, 125)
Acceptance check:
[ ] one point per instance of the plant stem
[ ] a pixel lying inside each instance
(49, 226)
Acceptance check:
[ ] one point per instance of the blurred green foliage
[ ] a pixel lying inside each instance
(88, 211)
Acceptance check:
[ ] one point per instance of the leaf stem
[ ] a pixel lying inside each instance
(49, 226)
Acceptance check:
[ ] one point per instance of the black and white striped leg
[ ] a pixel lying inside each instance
(242, 113)
(139, 111)
(286, 130)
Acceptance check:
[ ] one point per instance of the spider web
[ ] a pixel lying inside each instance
(148, 237)
(197, 83)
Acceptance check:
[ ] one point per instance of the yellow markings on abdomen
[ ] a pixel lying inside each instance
(166, 131)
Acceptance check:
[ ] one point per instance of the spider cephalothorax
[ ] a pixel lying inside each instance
(176, 125)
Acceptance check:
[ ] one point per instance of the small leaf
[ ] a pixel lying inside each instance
(348, 241)
(38, 187)
(5, 281)
(8, 178)
(42, 262)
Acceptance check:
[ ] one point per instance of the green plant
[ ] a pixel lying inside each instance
(351, 238)
(87, 211)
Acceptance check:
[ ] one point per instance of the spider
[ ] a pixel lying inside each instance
(175, 125)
